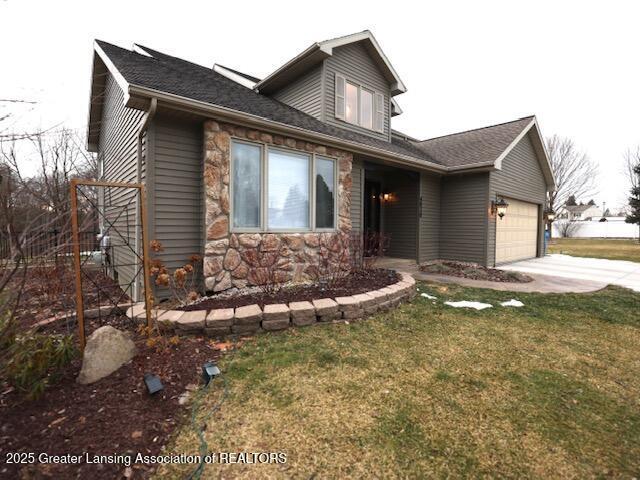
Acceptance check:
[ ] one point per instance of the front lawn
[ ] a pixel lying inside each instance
(547, 390)
(597, 248)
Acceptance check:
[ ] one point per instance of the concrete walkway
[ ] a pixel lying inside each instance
(579, 269)
(541, 283)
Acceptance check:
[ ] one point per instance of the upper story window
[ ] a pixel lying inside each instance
(359, 105)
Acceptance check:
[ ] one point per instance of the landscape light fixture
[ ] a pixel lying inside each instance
(153, 383)
(209, 372)
(499, 206)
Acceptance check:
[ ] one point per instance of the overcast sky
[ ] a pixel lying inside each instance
(466, 64)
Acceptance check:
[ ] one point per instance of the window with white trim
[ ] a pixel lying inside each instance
(351, 109)
(278, 190)
(366, 108)
(359, 105)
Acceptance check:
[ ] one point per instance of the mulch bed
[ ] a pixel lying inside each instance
(473, 271)
(115, 415)
(357, 282)
(50, 290)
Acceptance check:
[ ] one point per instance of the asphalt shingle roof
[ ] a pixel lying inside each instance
(481, 145)
(179, 77)
(579, 208)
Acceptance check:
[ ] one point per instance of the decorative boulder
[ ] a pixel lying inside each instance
(107, 349)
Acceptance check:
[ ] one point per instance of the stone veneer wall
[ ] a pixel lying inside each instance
(224, 264)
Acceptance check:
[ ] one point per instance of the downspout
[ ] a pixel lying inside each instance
(144, 125)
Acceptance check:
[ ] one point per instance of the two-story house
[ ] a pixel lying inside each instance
(231, 161)
(581, 212)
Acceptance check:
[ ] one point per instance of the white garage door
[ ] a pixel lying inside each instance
(517, 232)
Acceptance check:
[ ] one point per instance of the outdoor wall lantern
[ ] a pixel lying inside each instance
(153, 383)
(550, 215)
(209, 372)
(386, 197)
(499, 206)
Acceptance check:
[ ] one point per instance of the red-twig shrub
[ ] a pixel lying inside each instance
(263, 268)
(342, 254)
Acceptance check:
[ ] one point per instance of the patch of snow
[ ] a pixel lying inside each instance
(426, 295)
(512, 303)
(467, 304)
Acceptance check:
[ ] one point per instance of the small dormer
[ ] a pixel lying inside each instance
(347, 82)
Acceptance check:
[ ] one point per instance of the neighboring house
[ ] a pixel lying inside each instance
(580, 212)
(230, 160)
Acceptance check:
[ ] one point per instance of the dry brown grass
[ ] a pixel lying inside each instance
(597, 248)
(548, 390)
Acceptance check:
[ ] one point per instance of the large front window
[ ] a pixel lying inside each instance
(288, 190)
(295, 193)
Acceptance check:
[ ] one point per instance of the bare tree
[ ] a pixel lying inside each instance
(632, 172)
(631, 162)
(575, 173)
(58, 157)
(34, 206)
(8, 113)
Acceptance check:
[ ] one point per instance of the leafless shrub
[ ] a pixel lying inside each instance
(567, 228)
(182, 281)
(342, 254)
(262, 262)
(333, 260)
(367, 248)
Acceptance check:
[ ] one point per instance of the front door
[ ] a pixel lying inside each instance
(371, 234)
(372, 192)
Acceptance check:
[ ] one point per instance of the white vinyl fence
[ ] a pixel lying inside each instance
(594, 229)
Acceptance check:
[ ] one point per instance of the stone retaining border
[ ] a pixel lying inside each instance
(252, 319)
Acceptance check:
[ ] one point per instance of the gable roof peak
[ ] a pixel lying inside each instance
(318, 51)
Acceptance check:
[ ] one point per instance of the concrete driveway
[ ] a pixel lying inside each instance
(616, 272)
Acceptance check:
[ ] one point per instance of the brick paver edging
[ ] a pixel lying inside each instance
(253, 319)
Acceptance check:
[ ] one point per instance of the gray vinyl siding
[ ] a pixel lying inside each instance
(117, 150)
(177, 205)
(357, 185)
(354, 63)
(520, 178)
(429, 222)
(463, 214)
(400, 216)
(304, 93)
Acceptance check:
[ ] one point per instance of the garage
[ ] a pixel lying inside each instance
(517, 232)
